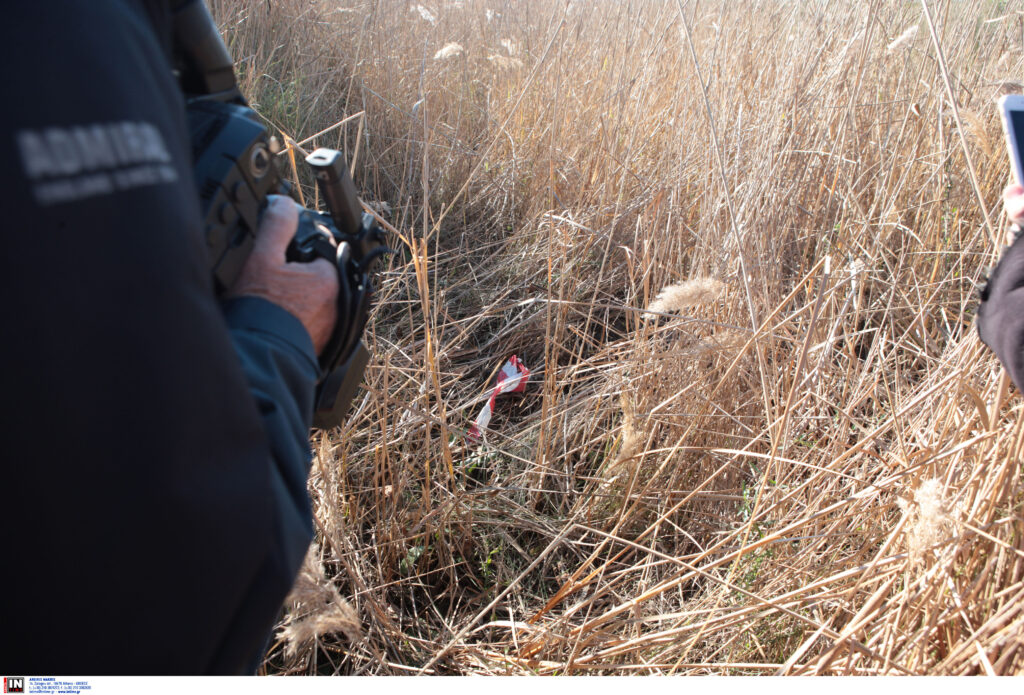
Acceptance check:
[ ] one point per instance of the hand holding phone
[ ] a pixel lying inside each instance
(1011, 109)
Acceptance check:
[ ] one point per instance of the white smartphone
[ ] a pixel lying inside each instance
(1011, 108)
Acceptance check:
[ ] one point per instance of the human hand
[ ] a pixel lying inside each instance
(1013, 205)
(308, 291)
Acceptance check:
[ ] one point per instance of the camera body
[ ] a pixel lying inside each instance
(234, 170)
(233, 165)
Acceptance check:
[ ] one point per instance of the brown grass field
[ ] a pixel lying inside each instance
(801, 460)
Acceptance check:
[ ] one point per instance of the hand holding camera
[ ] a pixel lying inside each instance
(308, 291)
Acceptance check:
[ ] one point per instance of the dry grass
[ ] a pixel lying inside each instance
(810, 466)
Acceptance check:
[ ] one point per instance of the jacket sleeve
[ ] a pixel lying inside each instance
(279, 361)
(1001, 313)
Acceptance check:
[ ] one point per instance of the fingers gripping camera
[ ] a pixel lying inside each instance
(235, 173)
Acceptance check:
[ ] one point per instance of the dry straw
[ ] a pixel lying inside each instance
(743, 514)
(694, 292)
(316, 608)
(424, 13)
(903, 40)
(449, 50)
(504, 62)
(932, 521)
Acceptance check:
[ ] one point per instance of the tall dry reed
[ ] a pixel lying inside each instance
(809, 466)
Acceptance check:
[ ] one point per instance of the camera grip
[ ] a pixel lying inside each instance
(313, 239)
(344, 358)
(334, 394)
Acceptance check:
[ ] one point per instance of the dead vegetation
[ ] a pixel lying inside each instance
(800, 460)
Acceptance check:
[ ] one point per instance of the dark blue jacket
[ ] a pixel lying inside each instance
(154, 444)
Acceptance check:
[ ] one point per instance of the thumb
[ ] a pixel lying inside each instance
(277, 227)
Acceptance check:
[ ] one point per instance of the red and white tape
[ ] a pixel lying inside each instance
(511, 379)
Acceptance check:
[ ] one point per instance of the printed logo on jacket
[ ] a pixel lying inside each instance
(79, 162)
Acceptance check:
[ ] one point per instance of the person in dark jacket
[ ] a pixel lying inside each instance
(1001, 313)
(155, 442)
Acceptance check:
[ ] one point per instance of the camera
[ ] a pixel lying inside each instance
(233, 165)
